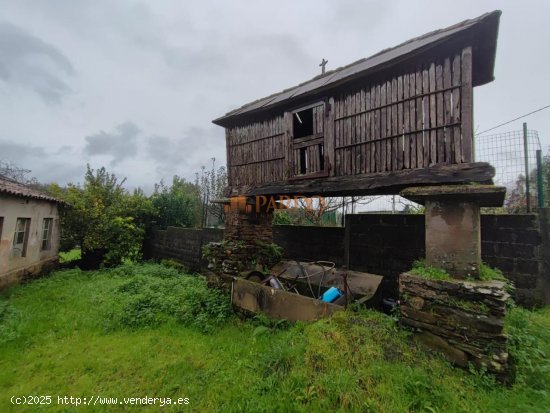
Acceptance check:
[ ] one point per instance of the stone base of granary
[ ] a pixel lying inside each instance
(232, 258)
(463, 320)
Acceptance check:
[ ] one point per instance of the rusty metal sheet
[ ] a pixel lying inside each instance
(278, 304)
(360, 283)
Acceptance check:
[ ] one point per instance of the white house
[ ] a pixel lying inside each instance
(29, 232)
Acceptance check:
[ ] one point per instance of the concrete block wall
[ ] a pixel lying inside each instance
(388, 244)
(182, 244)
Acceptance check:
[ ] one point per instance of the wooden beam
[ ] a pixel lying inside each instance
(379, 183)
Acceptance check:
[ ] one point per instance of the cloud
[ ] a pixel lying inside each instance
(180, 156)
(120, 144)
(46, 166)
(29, 62)
(18, 153)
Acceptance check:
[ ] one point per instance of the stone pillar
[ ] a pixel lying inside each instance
(248, 221)
(453, 237)
(453, 240)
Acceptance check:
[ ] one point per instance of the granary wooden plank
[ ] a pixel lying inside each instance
(336, 166)
(440, 113)
(352, 136)
(287, 127)
(406, 123)
(375, 95)
(368, 132)
(354, 122)
(389, 121)
(400, 122)
(383, 125)
(467, 106)
(329, 137)
(433, 116)
(426, 116)
(363, 132)
(447, 82)
(394, 119)
(358, 127)
(412, 120)
(342, 133)
(419, 120)
(350, 120)
(457, 78)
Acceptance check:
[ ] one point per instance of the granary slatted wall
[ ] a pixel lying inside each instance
(256, 152)
(414, 119)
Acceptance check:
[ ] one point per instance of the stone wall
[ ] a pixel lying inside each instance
(249, 226)
(462, 319)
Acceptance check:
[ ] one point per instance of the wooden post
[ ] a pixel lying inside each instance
(467, 107)
(526, 158)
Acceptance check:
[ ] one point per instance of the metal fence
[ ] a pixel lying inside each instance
(512, 154)
(514, 157)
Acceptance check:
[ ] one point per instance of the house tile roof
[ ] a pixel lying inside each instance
(11, 187)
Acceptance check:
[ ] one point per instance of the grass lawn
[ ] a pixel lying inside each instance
(146, 330)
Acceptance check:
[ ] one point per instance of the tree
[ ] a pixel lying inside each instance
(211, 184)
(177, 205)
(16, 173)
(103, 219)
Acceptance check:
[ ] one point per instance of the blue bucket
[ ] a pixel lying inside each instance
(332, 294)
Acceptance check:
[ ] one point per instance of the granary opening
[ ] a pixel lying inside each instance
(302, 124)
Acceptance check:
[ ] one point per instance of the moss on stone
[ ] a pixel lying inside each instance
(422, 270)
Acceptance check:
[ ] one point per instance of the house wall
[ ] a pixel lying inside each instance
(14, 267)
(414, 115)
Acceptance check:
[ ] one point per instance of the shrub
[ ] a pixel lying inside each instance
(154, 294)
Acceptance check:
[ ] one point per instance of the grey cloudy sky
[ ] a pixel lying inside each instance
(133, 85)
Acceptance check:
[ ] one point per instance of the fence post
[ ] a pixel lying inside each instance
(526, 156)
(540, 190)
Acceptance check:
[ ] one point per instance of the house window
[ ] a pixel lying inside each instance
(47, 233)
(21, 236)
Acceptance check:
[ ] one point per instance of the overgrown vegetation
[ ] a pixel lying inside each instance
(422, 270)
(126, 332)
(104, 220)
(486, 273)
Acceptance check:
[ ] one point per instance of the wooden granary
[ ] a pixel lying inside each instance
(400, 118)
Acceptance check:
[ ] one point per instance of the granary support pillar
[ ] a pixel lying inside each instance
(248, 219)
(463, 319)
(453, 237)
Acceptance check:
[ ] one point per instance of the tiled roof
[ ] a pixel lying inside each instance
(384, 58)
(9, 186)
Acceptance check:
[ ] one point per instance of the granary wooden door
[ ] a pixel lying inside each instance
(308, 143)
